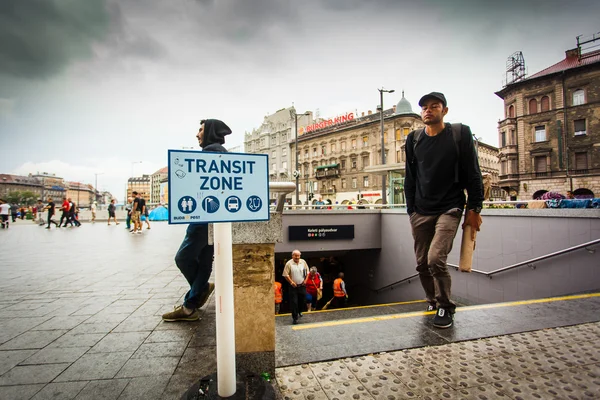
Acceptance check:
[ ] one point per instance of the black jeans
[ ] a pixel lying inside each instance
(51, 221)
(297, 300)
(195, 261)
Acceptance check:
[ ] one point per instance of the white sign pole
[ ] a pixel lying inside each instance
(226, 376)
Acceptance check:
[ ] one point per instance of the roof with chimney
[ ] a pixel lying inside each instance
(572, 60)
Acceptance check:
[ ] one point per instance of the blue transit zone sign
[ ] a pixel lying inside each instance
(209, 187)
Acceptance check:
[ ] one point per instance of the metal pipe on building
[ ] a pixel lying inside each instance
(384, 176)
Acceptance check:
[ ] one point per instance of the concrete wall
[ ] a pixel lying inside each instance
(507, 237)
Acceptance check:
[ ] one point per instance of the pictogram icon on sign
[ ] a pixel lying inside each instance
(187, 204)
(210, 204)
(233, 204)
(254, 203)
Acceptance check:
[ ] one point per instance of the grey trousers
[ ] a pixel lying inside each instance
(433, 235)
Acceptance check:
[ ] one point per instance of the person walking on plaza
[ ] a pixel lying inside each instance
(50, 207)
(112, 209)
(146, 217)
(14, 210)
(74, 215)
(339, 292)
(4, 213)
(65, 212)
(195, 256)
(137, 209)
(314, 289)
(93, 208)
(40, 212)
(278, 296)
(441, 163)
(295, 272)
(128, 208)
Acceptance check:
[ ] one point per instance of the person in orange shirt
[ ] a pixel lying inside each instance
(278, 296)
(339, 292)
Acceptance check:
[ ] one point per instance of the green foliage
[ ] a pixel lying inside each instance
(26, 197)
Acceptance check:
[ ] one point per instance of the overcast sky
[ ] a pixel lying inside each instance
(93, 86)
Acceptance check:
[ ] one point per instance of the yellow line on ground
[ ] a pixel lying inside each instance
(360, 307)
(422, 313)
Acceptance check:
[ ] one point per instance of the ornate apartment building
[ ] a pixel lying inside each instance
(141, 184)
(549, 139)
(155, 181)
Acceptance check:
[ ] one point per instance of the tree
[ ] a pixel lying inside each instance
(26, 197)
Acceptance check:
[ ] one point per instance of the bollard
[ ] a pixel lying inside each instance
(226, 374)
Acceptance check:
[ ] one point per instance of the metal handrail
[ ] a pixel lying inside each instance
(530, 262)
(491, 273)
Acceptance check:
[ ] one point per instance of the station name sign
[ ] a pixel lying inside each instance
(329, 122)
(321, 232)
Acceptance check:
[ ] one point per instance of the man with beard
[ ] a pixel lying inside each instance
(441, 163)
(195, 256)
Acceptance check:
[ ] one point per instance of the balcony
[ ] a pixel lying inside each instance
(327, 171)
(328, 191)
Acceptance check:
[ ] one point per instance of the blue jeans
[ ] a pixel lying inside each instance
(194, 259)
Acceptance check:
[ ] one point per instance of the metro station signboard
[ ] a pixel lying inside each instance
(321, 232)
(207, 187)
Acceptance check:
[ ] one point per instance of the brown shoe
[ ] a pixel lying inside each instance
(179, 314)
(206, 294)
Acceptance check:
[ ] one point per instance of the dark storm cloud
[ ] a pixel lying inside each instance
(38, 38)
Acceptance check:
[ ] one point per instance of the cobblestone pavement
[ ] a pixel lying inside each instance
(558, 363)
(80, 315)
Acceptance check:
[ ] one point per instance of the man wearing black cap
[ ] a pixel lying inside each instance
(441, 163)
(195, 256)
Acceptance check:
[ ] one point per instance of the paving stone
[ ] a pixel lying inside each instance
(161, 349)
(138, 324)
(13, 327)
(20, 392)
(54, 355)
(78, 340)
(348, 390)
(178, 385)
(60, 391)
(201, 361)
(366, 366)
(103, 390)
(29, 374)
(99, 327)
(146, 388)
(95, 366)
(296, 377)
(120, 341)
(138, 367)
(169, 336)
(32, 340)
(56, 323)
(11, 358)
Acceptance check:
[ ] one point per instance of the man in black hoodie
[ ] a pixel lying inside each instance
(195, 256)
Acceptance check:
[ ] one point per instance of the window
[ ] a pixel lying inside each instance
(406, 131)
(324, 186)
(343, 183)
(578, 97)
(315, 186)
(511, 111)
(398, 156)
(343, 165)
(540, 165)
(299, 187)
(354, 163)
(503, 168)
(284, 152)
(398, 134)
(579, 127)
(365, 141)
(344, 146)
(314, 151)
(273, 167)
(274, 154)
(365, 181)
(306, 154)
(273, 139)
(365, 161)
(581, 162)
(353, 144)
(540, 133)
(284, 165)
(532, 106)
(353, 183)
(332, 148)
(513, 138)
(545, 103)
(514, 167)
(502, 139)
(385, 137)
(323, 150)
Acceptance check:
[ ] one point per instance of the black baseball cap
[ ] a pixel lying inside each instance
(433, 95)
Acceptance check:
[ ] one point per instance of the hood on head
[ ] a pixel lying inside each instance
(214, 132)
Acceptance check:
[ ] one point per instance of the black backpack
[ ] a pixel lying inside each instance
(456, 134)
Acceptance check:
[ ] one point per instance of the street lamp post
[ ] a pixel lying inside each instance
(96, 185)
(384, 176)
(297, 171)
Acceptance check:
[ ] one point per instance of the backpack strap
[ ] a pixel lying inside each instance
(456, 134)
(417, 135)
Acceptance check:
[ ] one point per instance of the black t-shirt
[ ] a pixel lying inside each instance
(51, 209)
(140, 204)
(436, 192)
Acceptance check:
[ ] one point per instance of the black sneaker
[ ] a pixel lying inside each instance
(443, 319)
(431, 307)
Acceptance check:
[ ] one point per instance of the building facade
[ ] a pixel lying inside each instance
(17, 183)
(82, 194)
(140, 184)
(490, 165)
(155, 181)
(549, 139)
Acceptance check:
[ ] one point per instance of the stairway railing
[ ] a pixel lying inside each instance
(490, 274)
